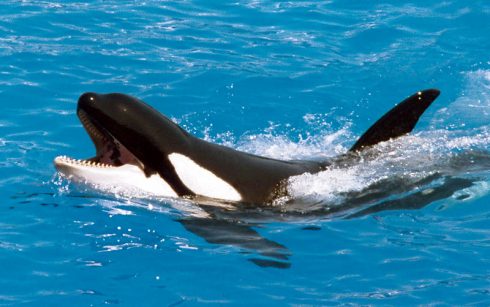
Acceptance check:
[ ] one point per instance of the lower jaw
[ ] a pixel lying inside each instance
(128, 179)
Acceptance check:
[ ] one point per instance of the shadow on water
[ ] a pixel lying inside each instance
(242, 235)
(232, 228)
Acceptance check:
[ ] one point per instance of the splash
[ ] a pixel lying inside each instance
(457, 146)
(318, 139)
(472, 108)
(407, 160)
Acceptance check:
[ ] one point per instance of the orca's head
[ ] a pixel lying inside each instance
(132, 140)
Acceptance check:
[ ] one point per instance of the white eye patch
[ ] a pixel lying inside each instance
(202, 181)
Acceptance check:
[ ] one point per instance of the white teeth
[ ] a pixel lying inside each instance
(97, 136)
(79, 162)
(91, 128)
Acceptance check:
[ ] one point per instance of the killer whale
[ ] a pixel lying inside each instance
(139, 148)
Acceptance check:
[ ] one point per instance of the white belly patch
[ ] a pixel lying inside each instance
(202, 181)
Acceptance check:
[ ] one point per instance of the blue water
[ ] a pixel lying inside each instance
(282, 79)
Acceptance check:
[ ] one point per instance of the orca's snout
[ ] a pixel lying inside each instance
(88, 97)
(87, 100)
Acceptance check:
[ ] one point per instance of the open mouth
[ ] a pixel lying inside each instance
(109, 151)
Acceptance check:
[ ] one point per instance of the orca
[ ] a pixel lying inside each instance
(140, 149)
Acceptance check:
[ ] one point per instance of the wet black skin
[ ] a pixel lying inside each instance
(151, 137)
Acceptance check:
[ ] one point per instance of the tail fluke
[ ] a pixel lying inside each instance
(398, 121)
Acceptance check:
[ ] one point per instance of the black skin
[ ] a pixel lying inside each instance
(151, 137)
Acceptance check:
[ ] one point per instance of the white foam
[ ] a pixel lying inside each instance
(327, 185)
(323, 144)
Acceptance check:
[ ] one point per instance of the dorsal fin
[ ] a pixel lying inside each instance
(398, 121)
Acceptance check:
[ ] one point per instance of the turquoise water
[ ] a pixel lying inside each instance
(287, 80)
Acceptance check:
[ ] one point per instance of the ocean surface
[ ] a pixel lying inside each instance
(288, 80)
